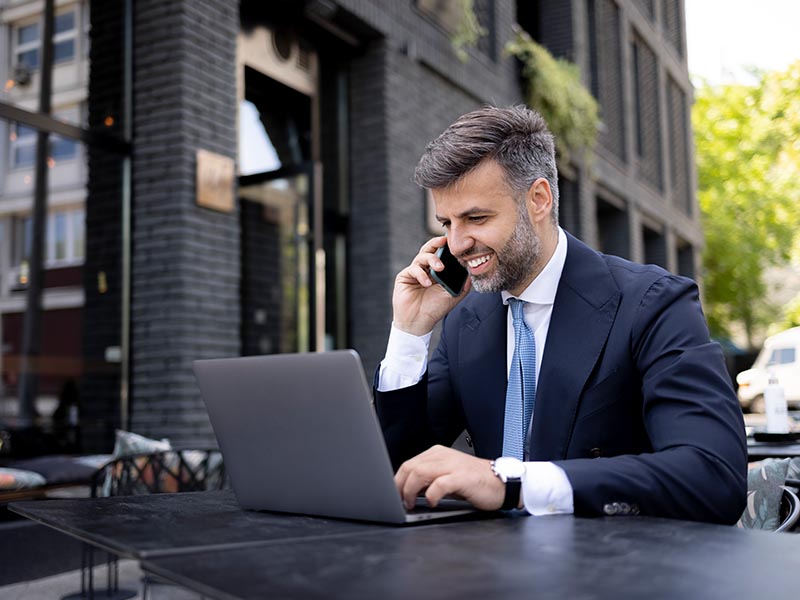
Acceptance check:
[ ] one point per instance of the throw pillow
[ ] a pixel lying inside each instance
(764, 490)
(128, 443)
(17, 479)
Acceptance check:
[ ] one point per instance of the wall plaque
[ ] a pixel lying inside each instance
(215, 175)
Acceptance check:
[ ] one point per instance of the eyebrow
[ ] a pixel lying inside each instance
(475, 210)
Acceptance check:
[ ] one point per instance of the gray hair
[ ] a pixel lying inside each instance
(516, 137)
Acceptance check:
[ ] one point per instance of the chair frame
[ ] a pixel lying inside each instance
(142, 474)
(146, 473)
(790, 501)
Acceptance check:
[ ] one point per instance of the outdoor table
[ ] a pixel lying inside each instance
(759, 450)
(204, 542)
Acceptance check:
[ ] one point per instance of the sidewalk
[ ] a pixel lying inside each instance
(58, 586)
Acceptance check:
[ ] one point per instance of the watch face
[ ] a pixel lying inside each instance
(509, 467)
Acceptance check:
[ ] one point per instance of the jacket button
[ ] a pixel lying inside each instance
(610, 509)
(596, 452)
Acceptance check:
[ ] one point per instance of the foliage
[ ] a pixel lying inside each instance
(748, 162)
(791, 314)
(468, 32)
(554, 88)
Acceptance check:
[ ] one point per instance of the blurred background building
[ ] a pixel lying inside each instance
(235, 177)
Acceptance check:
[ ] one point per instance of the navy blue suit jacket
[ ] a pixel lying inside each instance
(633, 400)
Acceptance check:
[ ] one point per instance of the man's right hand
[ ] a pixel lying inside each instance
(418, 302)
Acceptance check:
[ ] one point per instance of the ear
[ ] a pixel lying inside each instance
(540, 200)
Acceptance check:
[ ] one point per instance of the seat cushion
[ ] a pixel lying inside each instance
(765, 482)
(19, 479)
(58, 469)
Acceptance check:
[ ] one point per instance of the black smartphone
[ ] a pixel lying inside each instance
(453, 276)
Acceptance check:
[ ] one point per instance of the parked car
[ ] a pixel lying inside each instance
(779, 356)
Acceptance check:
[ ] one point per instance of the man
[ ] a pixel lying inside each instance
(602, 390)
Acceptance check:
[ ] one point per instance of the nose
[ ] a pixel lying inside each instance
(458, 241)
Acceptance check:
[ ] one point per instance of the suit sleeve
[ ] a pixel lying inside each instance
(417, 417)
(698, 465)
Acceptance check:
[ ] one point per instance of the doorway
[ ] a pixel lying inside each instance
(282, 261)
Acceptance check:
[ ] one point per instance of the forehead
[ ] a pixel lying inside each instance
(484, 187)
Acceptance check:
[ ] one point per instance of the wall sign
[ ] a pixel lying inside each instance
(215, 174)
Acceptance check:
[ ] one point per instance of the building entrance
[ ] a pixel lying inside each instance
(282, 278)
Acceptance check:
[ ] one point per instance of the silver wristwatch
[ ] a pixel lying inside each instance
(510, 471)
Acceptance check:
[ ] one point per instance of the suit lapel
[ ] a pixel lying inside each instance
(585, 307)
(482, 370)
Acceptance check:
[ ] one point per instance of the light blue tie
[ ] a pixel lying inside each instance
(521, 390)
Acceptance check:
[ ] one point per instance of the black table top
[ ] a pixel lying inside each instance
(141, 526)
(559, 557)
(206, 543)
(758, 450)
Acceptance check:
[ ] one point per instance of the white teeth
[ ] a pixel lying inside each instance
(477, 261)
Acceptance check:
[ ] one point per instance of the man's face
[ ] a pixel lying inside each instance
(489, 231)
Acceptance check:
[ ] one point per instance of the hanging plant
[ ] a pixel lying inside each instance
(468, 31)
(553, 87)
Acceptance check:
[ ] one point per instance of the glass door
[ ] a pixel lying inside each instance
(280, 262)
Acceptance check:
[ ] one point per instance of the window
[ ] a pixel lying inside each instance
(23, 142)
(27, 39)
(64, 34)
(21, 240)
(27, 45)
(781, 356)
(66, 234)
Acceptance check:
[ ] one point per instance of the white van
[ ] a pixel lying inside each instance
(780, 356)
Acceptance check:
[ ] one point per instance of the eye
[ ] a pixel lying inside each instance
(445, 224)
(477, 219)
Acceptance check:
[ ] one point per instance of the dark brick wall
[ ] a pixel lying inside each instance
(402, 96)
(404, 85)
(647, 7)
(100, 385)
(185, 276)
(678, 116)
(605, 55)
(554, 28)
(648, 120)
(673, 24)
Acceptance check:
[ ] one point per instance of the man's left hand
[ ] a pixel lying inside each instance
(444, 471)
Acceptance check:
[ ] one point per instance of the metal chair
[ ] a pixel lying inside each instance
(165, 471)
(790, 506)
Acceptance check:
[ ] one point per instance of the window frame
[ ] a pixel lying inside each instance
(74, 231)
(68, 114)
(58, 38)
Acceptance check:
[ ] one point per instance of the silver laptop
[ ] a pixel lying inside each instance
(298, 434)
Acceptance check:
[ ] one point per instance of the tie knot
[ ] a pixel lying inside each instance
(516, 307)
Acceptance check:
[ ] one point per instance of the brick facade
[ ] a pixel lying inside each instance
(390, 82)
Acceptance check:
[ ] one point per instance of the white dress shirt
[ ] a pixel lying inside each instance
(545, 487)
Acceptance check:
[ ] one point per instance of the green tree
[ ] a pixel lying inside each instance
(747, 140)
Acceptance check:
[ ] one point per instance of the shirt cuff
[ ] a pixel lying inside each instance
(405, 361)
(546, 490)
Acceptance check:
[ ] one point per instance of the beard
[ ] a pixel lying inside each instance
(516, 260)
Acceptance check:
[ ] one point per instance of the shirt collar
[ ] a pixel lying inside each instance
(542, 289)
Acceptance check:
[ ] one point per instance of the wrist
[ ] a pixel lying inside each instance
(413, 328)
(511, 472)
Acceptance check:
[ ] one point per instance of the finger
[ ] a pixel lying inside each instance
(441, 487)
(421, 275)
(433, 244)
(412, 486)
(426, 258)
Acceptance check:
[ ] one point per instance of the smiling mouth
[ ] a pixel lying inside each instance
(476, 263)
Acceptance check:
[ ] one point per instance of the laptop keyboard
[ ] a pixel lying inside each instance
(422, 507)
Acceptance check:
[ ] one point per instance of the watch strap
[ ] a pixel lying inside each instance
(513, 489)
